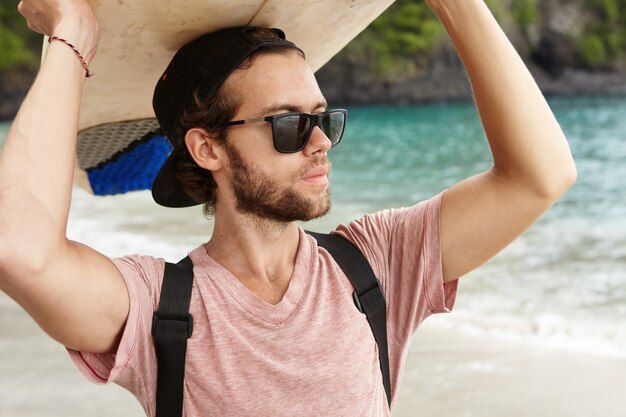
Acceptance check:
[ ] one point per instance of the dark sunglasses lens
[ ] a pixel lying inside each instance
(332, 125)
(291, 132)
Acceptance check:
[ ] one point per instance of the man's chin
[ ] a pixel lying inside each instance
(288, 208)
(308, 209)
(323, 204)
(317, 214)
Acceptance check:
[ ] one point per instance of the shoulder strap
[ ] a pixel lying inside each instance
(368, 295)
(172, 325)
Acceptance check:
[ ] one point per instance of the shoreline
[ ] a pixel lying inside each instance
(413, 91)
(548, 92)
(452, 374)
(446, 374)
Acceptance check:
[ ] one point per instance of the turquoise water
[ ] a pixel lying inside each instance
(399, 155)
(4, 130)
(563, 283)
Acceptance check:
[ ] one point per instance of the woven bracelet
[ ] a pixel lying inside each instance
(78, 54)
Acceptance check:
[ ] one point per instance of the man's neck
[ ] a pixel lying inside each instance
(260, 253)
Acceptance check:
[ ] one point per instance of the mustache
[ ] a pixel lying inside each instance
(318, 160)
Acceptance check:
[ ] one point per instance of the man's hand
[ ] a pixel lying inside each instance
(73, 20)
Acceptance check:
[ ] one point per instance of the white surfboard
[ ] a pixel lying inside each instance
(139, 38)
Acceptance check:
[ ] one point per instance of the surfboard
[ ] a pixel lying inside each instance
(117, 125)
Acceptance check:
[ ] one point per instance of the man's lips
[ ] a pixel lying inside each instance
(317, 176)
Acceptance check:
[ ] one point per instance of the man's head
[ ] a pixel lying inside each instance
(269, 77)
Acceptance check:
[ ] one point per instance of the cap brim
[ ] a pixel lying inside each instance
(166, 190)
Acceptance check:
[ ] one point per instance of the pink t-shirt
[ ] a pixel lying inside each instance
(313, 353)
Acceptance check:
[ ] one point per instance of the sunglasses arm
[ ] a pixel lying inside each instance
(248, 121)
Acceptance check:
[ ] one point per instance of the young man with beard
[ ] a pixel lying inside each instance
(276, 331)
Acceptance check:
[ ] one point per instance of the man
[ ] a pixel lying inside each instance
(276, 332)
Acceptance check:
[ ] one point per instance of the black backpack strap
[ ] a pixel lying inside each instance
(172, 325)
(368, 295)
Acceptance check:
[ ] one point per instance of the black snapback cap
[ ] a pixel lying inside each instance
(203, 64)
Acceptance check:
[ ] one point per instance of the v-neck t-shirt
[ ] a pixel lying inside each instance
(311, 354)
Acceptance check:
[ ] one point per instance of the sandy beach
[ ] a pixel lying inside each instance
(446, 375)
(451, 375)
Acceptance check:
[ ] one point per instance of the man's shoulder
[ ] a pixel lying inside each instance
(137, 263)
(148, 270)
(151, 264)
(378, 224)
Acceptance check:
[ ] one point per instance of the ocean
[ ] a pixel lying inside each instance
(561, 285)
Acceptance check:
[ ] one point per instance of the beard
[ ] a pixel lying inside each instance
(260, 195)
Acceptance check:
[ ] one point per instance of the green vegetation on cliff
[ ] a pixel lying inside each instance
(399, 40)
(525, 12)
(18, 45)
(604, 41)
(402, 40)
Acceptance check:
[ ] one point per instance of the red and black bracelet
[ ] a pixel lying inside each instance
(78, 54)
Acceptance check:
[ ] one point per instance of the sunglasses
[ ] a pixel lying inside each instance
(291, 131)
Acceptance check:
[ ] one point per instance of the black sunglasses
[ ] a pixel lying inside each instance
(291, 131)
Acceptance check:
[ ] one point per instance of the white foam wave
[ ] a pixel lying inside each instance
(545, 330)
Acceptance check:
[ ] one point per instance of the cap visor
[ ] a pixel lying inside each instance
(166, 190)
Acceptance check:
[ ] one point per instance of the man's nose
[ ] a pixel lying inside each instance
(318, 142)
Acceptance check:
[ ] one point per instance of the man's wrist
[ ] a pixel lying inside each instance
(83, 33)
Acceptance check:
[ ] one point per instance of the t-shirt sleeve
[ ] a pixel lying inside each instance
(404, 250)
(133, 366)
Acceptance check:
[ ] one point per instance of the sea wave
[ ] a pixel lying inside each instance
(602, 338)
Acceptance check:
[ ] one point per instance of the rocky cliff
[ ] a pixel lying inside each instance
(571, 47)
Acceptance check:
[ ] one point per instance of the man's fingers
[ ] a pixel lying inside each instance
(30, 15)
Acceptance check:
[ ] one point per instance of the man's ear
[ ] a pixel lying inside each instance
(205, 149)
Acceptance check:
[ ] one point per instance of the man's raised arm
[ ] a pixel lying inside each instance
(533, 165)
(74, 293)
